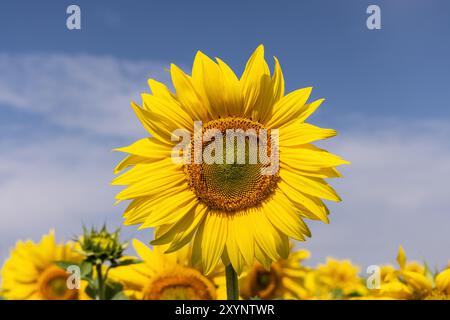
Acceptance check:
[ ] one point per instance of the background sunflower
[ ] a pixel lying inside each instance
(168, 277)
(30, 273)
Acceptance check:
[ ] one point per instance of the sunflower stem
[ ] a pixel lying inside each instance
(101, 283)
(232, 283)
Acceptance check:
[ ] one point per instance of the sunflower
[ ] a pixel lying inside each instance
(413, 281)
(30, 273)
(336, 279)
(285, 279)
(235, 211)
(167, 277)
(442, 281)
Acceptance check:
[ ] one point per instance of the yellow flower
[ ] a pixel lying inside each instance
(413, 282)
(443, 282)
(284, 279)
(30, 273)
(235, 210)
(338, 279)
(167, 277)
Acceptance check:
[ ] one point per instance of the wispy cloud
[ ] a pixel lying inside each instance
(77, 92)
(61, 115)
(395, 193)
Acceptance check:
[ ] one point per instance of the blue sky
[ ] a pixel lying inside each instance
(64, 104)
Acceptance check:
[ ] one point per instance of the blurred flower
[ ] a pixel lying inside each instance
(443, 282)
(412, 281)
(31, 271)
(284, 279)
(336, 279)
(168, 277)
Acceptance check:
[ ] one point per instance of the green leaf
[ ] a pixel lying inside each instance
(337, 293)
(428, 273)
(111, 289)
(86, 270)
(91, 290)
(120, 296)
(125, 262)
(65, 264)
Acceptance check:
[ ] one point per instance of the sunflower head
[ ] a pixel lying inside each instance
(230, 166)
(411, 280)
(167, 277)
(284, 279)
(443, 282)
(101, 245)
(53, 284)
(31, 271)
(339, 279)
(180, 283)
(263, 283)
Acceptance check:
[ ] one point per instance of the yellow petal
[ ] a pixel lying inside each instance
(298, 134)
(171, 210)
(164, 169)
(308, 157)
(169, 114)
(140, 208)
(152, 187)
(313, 208)
(147, 148)
(232, 248)
(153, 125)
(401, 257)
(277, 81)
(207, 77)
(232, 95)
(214, 239)
(257, 87)
(262, 257)
(130, 161)
(264, 234)
(160, 90)
(183, 231)
(188, 96)
(312, 186)
(285, 218)
(292, 108)
(443, 281)
(241, 223)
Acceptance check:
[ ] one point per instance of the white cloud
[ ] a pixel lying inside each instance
(395, 193)
(56, 161)
(77, 92)
(56, 173)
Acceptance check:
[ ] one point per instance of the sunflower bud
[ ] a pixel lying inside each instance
(100, 246)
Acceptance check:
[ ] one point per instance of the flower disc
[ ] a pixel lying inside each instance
(232, 186)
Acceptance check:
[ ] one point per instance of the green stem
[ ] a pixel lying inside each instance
(101, 282)
(232, 283)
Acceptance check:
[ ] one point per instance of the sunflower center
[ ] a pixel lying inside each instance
(263, 283)
(184, 284)
(234, 181)
(53, 285)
